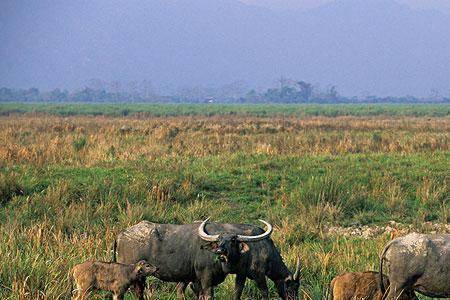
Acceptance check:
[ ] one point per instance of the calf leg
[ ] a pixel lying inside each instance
(118, 297)
(76, 295)
(84, 294)
(399, 291)
(138, 289)
(239, 286)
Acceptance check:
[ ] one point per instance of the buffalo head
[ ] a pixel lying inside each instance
(229, 246)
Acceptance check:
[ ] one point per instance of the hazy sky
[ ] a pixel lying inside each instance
(362, 46)
(441, 5)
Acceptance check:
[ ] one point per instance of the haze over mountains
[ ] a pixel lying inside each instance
(363, 47)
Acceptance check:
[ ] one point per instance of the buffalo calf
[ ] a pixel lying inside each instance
(356, 286)
(113, 277)
(359, 286)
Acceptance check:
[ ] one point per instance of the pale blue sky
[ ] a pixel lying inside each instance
(441, 5)
(363, 47)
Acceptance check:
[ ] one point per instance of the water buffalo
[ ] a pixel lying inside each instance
(417, 262)
(262, 259)
(184, 254)
(114, 277)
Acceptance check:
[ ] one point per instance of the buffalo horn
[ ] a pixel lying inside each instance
(297, 270)
(204, 236)
(254, 238)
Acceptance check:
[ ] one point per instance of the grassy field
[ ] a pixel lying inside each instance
(253, 110)
(70, 181)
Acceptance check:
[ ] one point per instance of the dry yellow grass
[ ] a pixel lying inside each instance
(89, 140)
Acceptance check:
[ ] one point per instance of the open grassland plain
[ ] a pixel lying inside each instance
(254, 110)
(69, 184)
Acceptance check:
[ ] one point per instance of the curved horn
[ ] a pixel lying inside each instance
(204, 236)
(255, 238)
(297, 270)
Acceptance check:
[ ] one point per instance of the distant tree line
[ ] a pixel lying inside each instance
(287, 91)
(84, 95)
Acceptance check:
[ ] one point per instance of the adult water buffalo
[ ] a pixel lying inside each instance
(417, 262)
(262, 259)
(183, 254)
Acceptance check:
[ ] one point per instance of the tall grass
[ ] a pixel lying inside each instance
(88, 141)
(69, 185)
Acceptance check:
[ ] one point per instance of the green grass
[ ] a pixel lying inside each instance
(360, 185)
(257, 110)
(61, 204)
(67, 214)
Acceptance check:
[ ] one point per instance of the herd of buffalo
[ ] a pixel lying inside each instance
(201, 255)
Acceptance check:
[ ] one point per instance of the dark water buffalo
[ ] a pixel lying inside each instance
(418, 262)
(183, 253)
(262, 259)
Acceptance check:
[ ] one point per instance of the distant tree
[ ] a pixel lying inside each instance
(306, 90)
(58, 96)
(332, 93)
(146, 89)
(7, 94)
(252, 96)
(32, 94)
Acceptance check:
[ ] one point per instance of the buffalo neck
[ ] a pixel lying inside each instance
(279, 270)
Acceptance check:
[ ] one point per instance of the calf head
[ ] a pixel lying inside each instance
(143, 269)
(229, 246)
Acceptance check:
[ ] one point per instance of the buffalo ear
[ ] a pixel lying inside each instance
(243, 247)
(210, 246)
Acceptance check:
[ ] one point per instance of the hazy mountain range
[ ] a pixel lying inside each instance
(363, 47)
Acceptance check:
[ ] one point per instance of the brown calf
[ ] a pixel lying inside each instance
(359, 286)
(114, 277)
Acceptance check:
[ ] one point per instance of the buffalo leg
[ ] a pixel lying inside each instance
(207, 289)
(181, 288)
(207, 294)
(239, 286)
(262, 285)
(195, 287)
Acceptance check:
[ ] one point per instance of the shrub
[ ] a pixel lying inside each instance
(9, 187)
(80, 143)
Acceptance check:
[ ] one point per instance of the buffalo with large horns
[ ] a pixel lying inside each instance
(258, 258)
(185, 253)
